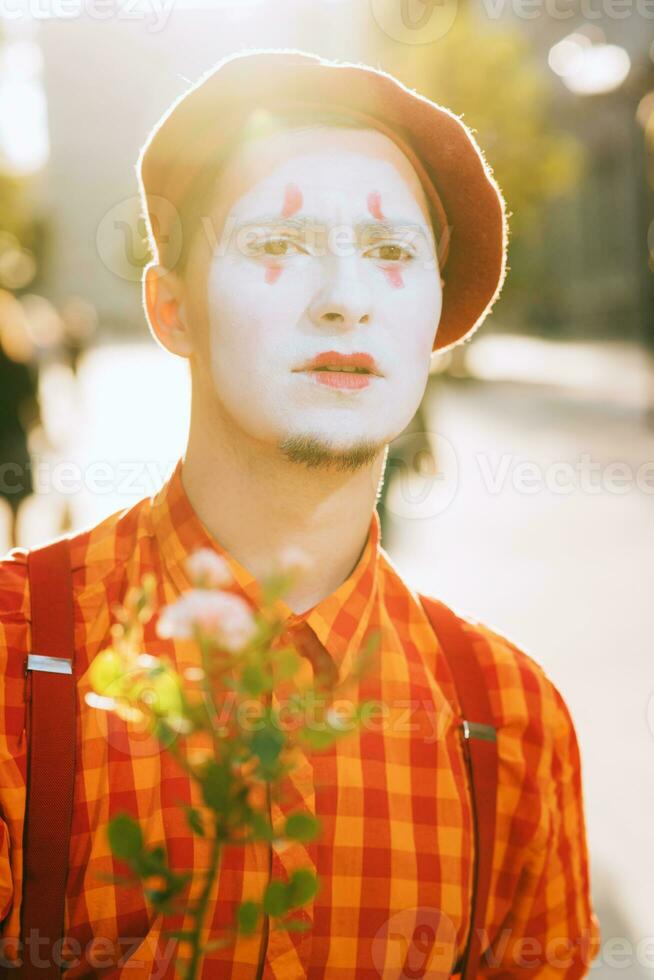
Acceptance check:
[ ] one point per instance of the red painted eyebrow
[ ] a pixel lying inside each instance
(293, 200)
(374, 205)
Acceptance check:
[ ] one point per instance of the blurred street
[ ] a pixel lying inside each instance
(567, 576)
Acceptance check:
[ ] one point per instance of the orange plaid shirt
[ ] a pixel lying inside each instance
(395, 854)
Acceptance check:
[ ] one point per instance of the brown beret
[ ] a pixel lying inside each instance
(466, 204)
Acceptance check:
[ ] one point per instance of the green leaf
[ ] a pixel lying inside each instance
(152, 862)
(318, 740)
(254, 681)
(287, 663)
(302, 886)
(215, 786)
(240, 812)
(194, 819)
(261, 826)
(275, 899)
(106, 670)
(125, 837)
(160, 898)
(301, 826)
(247, 916)
(267, 744)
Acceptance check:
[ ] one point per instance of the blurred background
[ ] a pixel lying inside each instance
(523, 491)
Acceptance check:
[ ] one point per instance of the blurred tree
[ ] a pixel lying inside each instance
(20, 235)
(501, 86)
(19, 412)
(22, 240)
(496, 79)
(18, 407)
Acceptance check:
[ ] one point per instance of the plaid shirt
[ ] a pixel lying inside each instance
(395, 855)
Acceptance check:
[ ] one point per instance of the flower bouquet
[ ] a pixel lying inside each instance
(227, 729)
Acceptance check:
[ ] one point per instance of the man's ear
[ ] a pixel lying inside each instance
(163, 297)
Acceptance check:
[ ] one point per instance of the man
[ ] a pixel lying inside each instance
(318, 205)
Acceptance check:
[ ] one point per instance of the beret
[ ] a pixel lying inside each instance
(466, 204)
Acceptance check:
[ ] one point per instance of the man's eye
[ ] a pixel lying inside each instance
(276, 247)
(394, 253)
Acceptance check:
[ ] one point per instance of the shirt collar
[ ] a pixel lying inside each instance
(339, 620)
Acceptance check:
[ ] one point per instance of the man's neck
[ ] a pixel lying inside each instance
(257, 504)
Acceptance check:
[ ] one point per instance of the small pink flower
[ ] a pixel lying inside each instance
(208, 570)
(224, 618)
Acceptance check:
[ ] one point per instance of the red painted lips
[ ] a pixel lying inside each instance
(338, 370)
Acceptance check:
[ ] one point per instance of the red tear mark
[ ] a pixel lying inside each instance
(273, 272)
(374, 205)
(292, 200)
(394, 276)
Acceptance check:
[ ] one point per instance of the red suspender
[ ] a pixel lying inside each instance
(51, 758)
(480, 748)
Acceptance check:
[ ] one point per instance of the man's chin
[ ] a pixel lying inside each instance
(318, 452)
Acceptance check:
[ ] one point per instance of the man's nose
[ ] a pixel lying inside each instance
(345, 297)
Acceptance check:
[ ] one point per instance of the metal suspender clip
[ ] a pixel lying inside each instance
(53, 665)
(472, 729)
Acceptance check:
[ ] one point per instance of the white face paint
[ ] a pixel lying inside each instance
(278, 296)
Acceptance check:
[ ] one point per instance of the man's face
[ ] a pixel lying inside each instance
(322, 247)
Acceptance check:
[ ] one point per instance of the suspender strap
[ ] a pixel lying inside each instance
(480, 750)
(51, 759)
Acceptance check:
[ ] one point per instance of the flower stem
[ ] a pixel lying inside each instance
(199, 913)
(210, 704)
